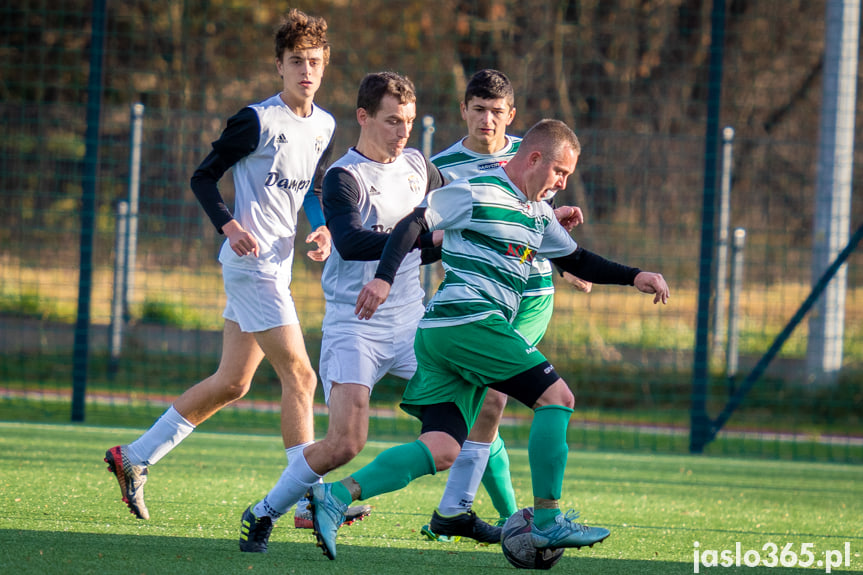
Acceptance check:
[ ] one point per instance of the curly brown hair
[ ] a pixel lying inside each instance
(299, 31)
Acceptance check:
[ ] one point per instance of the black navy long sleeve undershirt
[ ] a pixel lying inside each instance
(404, 237)
(340, 199)
(595, 268)
(581, 262)
(238, 140)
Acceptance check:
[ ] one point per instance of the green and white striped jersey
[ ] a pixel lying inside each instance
(457, 162)
(492, 235)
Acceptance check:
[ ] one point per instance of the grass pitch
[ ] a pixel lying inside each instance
(60, 512)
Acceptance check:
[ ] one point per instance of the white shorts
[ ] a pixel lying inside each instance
(363, 351)
(258, 300)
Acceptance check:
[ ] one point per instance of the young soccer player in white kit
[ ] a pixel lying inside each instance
(277, 149)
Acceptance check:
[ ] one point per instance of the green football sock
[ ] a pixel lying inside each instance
(395, 468)
(497, 481)
(547, 452)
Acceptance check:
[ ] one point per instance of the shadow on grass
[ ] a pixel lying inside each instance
(42, 552)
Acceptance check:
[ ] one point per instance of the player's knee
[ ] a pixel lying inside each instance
(233, 388)
(238, 391)
(493, 404)
(344, 449)
(557, 394)
(303, 373)
(444, 458)
(298, 377)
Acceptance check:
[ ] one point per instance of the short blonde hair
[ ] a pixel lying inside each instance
(550, 137)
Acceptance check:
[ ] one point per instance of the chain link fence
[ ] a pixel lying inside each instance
(635, 80)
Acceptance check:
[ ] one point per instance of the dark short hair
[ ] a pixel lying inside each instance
(490, 84)
(550, 137)
(299, 31)
(376, 85)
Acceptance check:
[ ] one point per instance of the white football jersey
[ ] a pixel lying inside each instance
(386, 193)
(270, 183)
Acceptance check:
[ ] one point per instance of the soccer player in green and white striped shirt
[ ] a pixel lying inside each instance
(488, 109)
(494, 225)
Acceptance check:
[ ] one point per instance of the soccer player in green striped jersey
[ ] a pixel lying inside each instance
(494, 225)
(488, 109)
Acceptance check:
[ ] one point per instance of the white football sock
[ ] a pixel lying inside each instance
(168, 431)
(464, 478)
(291, 452)
(291, 486)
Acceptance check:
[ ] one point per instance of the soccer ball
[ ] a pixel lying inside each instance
(517, 543)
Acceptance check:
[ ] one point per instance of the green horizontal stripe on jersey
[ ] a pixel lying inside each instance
(441, 310)
(493, 181)
(538, 281)
(503, 214)
(452, 160)
(489, 272)
(485, 241)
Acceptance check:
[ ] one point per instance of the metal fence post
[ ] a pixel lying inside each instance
(115, 340)
(735, 289)
(833, 187)
(722, 240)
(701, 427)
(131, 243)
(81, 353)
(427, 140)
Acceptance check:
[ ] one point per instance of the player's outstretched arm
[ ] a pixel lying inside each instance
(578, 283)
(650, 282)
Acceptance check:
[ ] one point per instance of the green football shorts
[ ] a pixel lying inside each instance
(457, 363)
(533, 316)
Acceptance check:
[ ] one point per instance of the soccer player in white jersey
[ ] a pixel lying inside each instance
(494, 225)
(365, 194)
(277, 150)
(488, 108)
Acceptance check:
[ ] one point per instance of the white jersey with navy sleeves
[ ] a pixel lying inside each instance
(271, 182)
(383, 194)
(492, 235)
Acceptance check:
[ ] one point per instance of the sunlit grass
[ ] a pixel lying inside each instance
(61, 510)
(606, 319)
